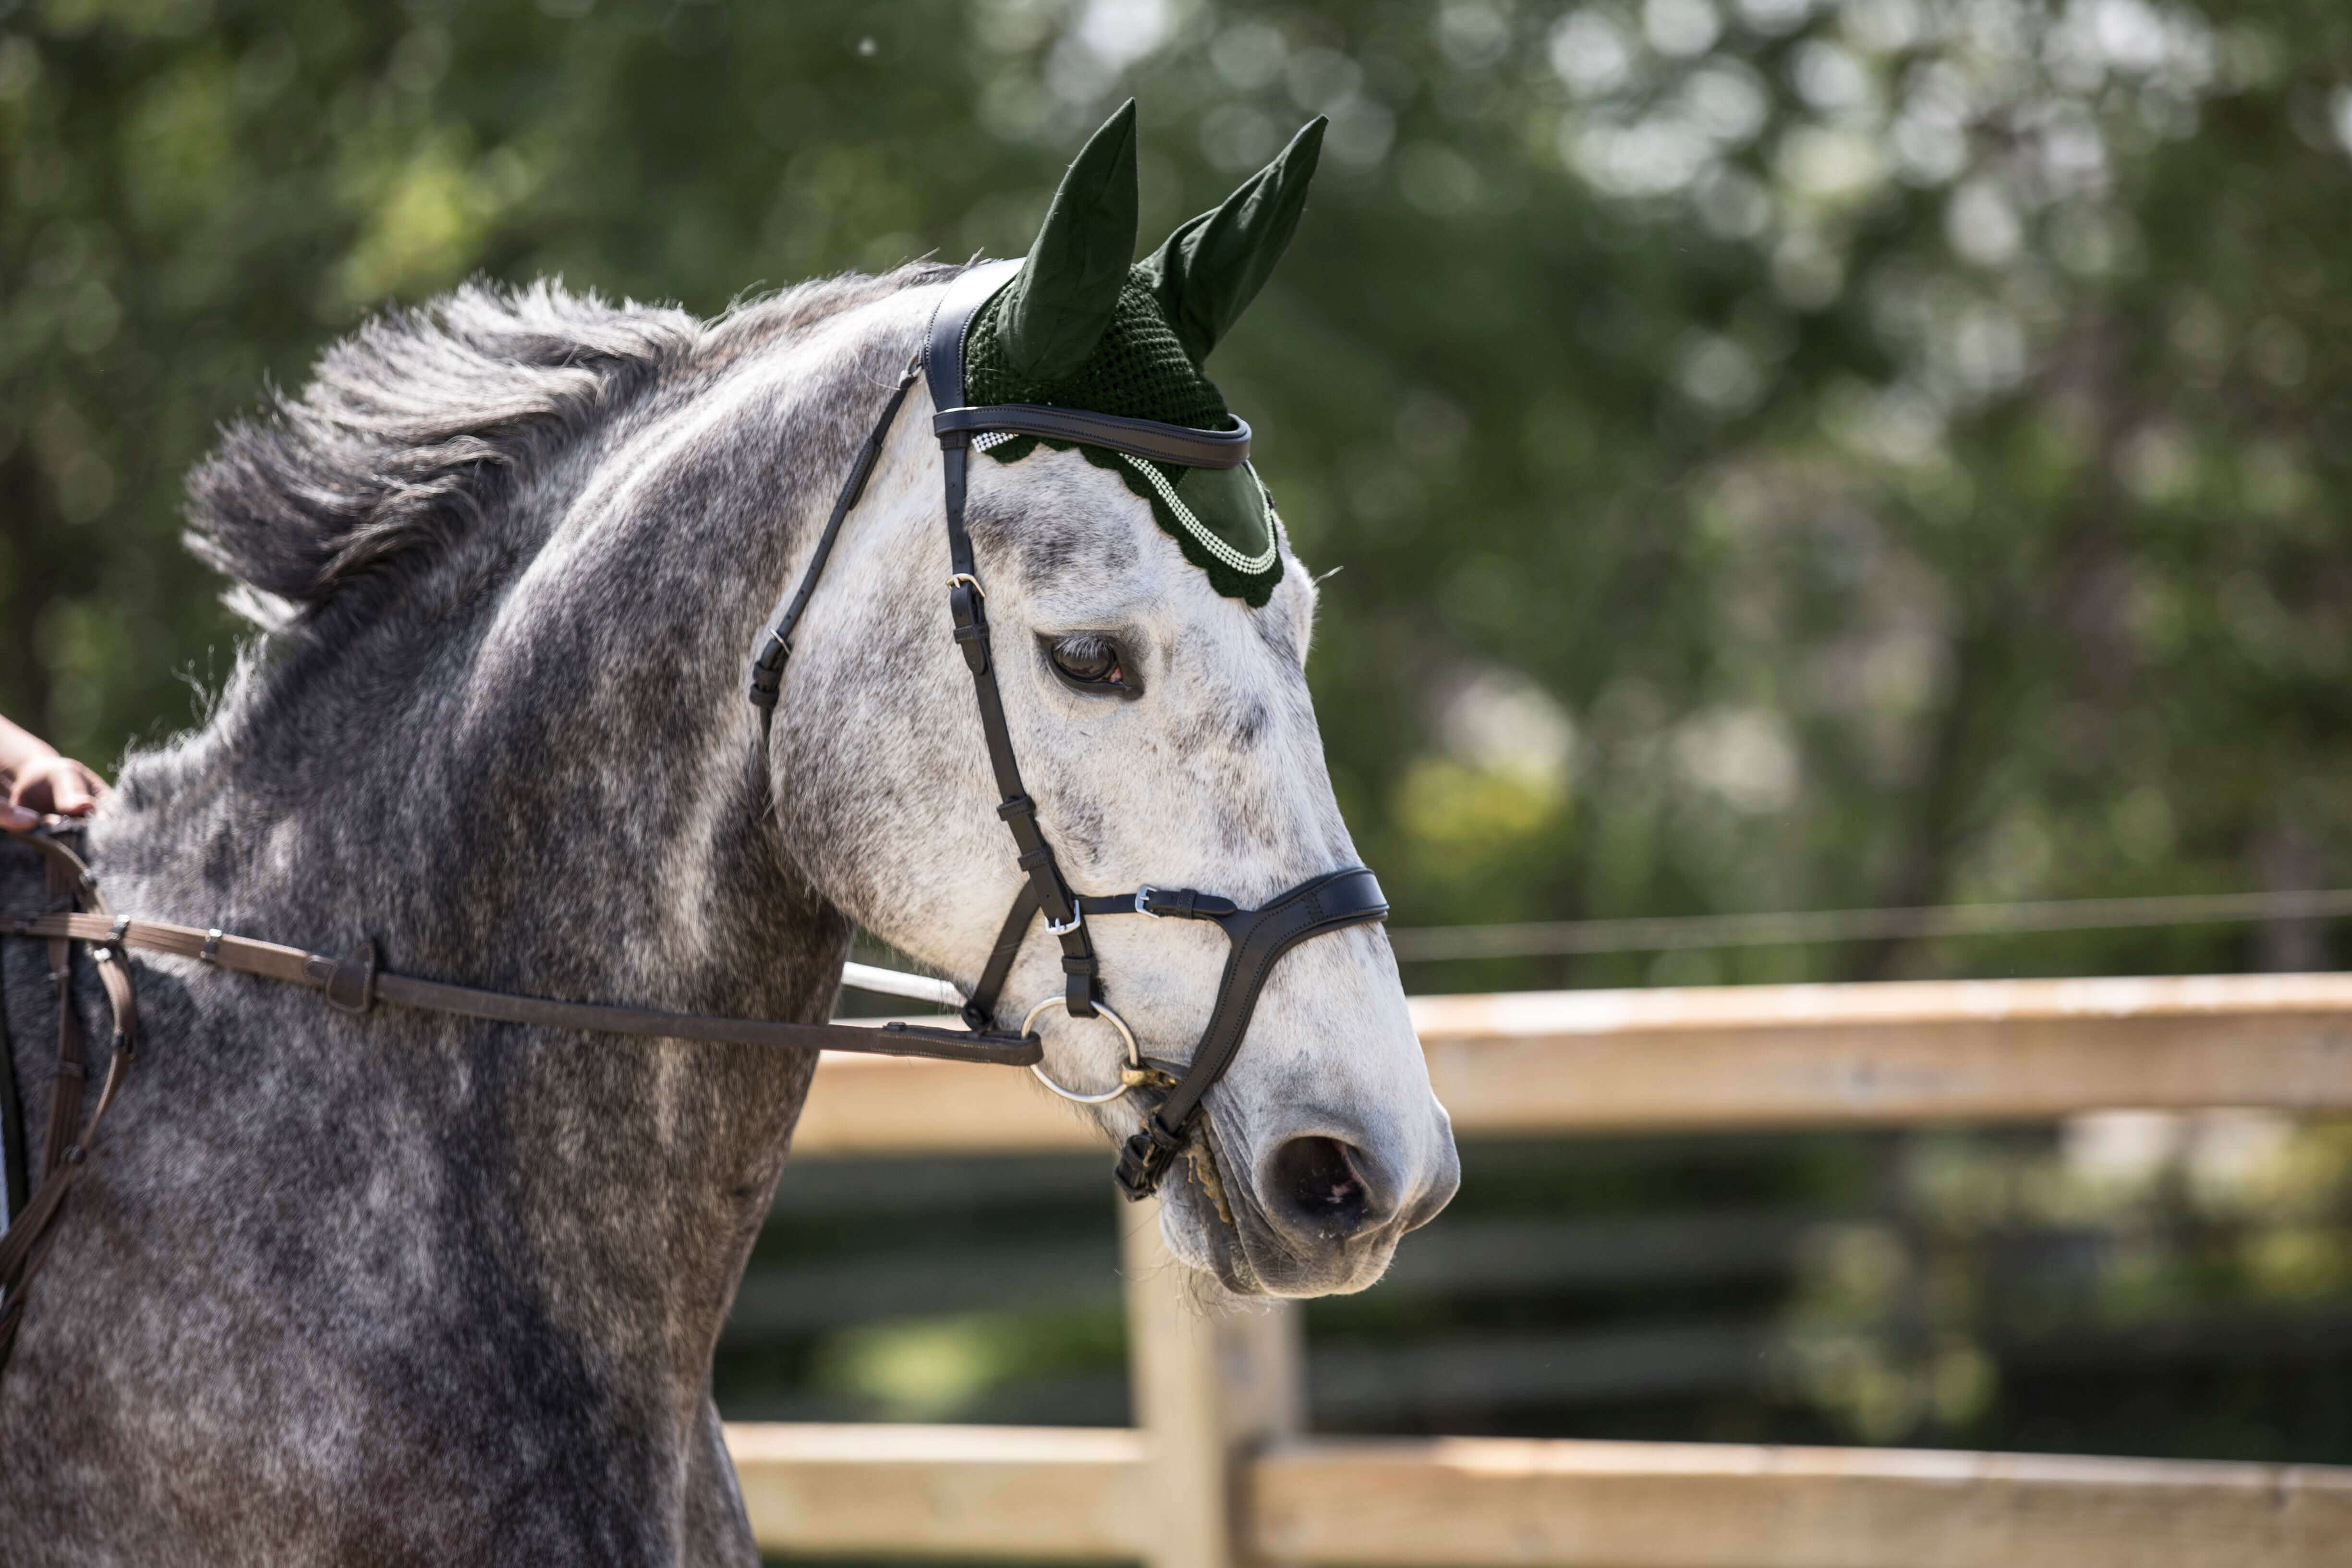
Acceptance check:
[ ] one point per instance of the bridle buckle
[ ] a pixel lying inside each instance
(1143, 904)
(1077, 918)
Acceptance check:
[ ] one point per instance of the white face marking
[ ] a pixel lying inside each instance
(1213, 778)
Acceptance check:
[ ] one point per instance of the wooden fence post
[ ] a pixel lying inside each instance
(1211, 1388)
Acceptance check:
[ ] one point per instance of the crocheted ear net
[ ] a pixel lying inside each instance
(1222, 518)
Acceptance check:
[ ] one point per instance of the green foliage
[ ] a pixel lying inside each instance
(1789, 452)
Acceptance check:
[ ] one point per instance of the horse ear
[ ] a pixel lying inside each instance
(1055, 310)
(1213, 266)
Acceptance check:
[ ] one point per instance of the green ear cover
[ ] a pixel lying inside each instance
(1213, 265)
(1055, 310)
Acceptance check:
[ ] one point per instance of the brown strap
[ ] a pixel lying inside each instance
(65, 1090)
(354, 982)
(25, 1246)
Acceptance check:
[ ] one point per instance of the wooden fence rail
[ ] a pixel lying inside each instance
(1074, 1492)
(1739, 1057)
(1220, 1473)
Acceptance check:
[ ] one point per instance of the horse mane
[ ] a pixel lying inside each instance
(415, 427)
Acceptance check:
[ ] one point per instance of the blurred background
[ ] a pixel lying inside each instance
(1779, 455)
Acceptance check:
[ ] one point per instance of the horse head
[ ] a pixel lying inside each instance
(1149, 629)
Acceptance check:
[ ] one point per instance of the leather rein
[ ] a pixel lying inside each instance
(354, 982)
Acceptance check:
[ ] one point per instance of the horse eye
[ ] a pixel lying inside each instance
(1090, 661)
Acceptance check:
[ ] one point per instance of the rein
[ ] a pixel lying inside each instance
(352, 984)
(25, 1246)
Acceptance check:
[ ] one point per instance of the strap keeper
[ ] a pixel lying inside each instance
(350, 983)
(973, 640)
(768, 671)
(1019, 805)
(1144, 1159)
(210, 952)
(1182, 903)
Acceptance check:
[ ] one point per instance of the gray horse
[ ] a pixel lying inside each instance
(407, 1286)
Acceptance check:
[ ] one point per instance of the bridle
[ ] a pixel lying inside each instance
(354, 984)
(1259, 937)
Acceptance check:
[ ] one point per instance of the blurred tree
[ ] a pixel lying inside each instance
(1784, 452)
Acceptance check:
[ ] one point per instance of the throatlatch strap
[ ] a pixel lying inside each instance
(980, 1007)
(776, 644)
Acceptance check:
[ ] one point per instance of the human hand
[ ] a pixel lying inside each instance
(52, 785)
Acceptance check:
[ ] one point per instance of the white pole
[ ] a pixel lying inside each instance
(898, 982)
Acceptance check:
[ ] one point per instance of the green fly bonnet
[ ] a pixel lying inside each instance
(1080, 328)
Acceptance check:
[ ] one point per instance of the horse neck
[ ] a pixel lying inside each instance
(556, 789)
(547, 781)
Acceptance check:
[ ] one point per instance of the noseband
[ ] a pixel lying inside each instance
(1258, 937)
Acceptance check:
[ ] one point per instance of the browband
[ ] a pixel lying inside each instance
(1150, 439)
(943, 366)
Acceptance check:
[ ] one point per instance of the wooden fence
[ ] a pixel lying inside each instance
(1219, 1471)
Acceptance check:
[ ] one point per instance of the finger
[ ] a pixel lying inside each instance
(69, 792)
(15, 818)
(34, 790)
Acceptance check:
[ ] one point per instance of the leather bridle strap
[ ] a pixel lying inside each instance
(354, 984)
(776, 643)
(1259, 937)
(968, 608)
(1176, 443)
(25, 1246)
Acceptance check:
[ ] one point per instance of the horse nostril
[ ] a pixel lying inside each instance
(1318, 1186)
